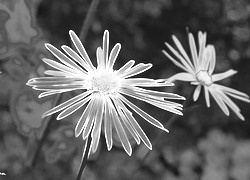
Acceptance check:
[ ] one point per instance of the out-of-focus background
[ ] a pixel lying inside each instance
(205, 144)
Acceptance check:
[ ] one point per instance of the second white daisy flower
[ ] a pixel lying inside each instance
(199, 71)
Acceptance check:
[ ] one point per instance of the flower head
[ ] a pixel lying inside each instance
(199, 71)
(104, 93)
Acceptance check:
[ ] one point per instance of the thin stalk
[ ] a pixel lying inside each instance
(83, 33)
(84, 159)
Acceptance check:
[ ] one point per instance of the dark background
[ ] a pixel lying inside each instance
(204, 144)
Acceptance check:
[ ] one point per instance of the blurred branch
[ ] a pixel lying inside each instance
(88, 19)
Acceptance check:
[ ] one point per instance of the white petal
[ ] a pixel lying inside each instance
(197, 92)
(158, 102)
(120, 131)
(135, 125)
(193, 51)
(138, 69)
(63, 58)
(108, 118)
(98, 122)
(143, 114)
(219, 101)
(213, 59)
(61, 67)
(106, 46)
(66, 104)
(76, 57)
(175, 61)
(113, 55)
(231, 104)
(80, 48)
(71, 109)
(90, 119)
(220, 76)
(52, 92)
(81, 124)
(126, 122)
(234, 93)
(100, 58)
(207, 96)
(182, 77)
(56, 73)
(125, 67)
(187, 65)
(183, 52)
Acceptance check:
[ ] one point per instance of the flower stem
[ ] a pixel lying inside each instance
(83, 33)
(84, 158)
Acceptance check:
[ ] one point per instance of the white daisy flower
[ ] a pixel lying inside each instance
(104, 93)
(199, 71)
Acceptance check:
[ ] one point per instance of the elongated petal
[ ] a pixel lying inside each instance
(202, 46)
(213, 60)
(66, 104)
(187, 64)
(183, 52)
(89, 122)
(193, 50)
(71, 109)
(80, 48)
(206, 90)
(234, 93)
(81, 124)
(125, 67)
(197, 92)
(138, 69)
(52, 92)
(135, 125)
(126, 122)
(62, 57)
(108, 119)
(106, 46)
(220, 76)
(219, 101)
(231, 104)
(160, 103)
(175, 61)
(113, 55)
(56, 73)
(97, 125)
(76, 57)
(60, 67)
(100, 58)
(143, 114)
(120, 131)
(182, 77)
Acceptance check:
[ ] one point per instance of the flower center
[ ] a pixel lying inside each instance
(104, 81)
(204, 78)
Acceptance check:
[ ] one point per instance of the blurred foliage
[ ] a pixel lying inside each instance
(205, 144)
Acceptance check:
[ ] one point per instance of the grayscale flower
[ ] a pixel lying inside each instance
(199, 71)
(104, 93)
